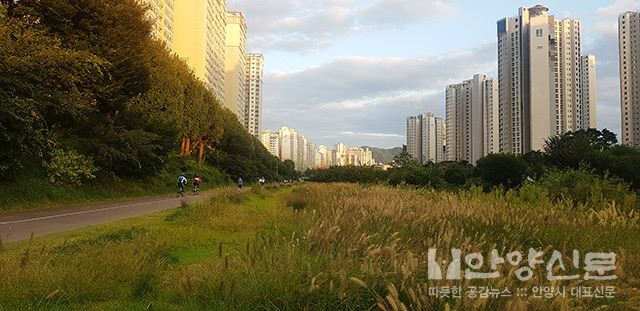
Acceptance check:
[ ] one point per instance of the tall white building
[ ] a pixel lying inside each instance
(288, 144)
(161, 15)
(540, 79)
(253, 102)
(425, 138)
(354, 156)
(271, 141)
(629, 38)
(472, 111)
(235, 64)
(199, 39)
(324, 157)
(589, 97)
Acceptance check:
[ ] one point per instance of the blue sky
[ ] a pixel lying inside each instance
(352, 70)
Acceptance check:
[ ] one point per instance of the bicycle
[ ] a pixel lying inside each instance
(196, 190)
(180, 192)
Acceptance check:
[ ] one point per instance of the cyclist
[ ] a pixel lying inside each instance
(240, 183)
(182, 182)
(196, 184)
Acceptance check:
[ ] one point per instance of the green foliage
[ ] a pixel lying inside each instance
(458, 173)
(568, 150)
(506, 170)
(43, 87)
(584, 187)
(404, 159)
(354, 174)
(537, 163)
(430, 175)
(69, 168)
(596, 150)
(86, 75)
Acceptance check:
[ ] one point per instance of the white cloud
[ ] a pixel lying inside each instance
(308, 25)
(613, 10)
(401, 12)
(375, 135)
(367, 97)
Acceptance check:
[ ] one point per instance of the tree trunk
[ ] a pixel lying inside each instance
(202, 143)
(188, 147)
(182, 147)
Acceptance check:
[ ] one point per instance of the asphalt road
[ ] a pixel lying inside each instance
(20, 226)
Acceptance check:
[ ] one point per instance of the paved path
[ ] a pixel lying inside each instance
(20, 226)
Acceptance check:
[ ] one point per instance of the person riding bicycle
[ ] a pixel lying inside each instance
(182, 182)
(196, 183)
(240, 183)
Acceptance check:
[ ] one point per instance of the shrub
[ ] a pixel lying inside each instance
(585, 187)
(507, 170)
(69, 168)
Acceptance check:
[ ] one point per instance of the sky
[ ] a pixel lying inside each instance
(351, 71)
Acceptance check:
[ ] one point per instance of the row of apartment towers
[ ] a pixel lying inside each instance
(545, 87)
(289, 144)
(213, 42)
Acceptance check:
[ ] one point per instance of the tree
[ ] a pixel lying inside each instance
(404, 159)
(506, 170)
(569, 149)
(43, 89)
(457, 173)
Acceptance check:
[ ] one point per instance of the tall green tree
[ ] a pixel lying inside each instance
(569, 149)
(44, 89)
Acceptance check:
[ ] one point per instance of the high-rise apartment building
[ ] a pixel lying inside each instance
(271, 141)
(235, 64)
(161, 14)
(288, 144)
(302, 156)
(199, 39)
(324, 157)
(253, 102)
(354, 156)
(629, 38)
(472, 111)
(540, 80)
(589, 97)
(425, 138)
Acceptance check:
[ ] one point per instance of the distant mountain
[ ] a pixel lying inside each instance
(384, 155)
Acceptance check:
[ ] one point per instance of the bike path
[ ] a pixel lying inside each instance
(22, 225)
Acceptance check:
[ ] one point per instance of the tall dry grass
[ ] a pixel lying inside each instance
(379, 237)
(319, 247)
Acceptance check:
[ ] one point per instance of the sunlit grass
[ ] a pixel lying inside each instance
(316, 247)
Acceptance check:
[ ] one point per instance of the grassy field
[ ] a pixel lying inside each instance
(317, 247)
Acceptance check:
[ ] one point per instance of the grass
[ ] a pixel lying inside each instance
(314, 247)
(34, 192)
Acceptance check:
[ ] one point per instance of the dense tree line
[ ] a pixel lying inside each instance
(83, 82)
(582, 153)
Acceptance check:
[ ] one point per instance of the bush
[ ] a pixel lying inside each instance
(354, 174)
(430, 175)
(587, 188)
(458, 173)
(69, 168)
(506, 170)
